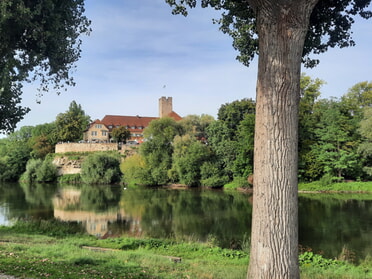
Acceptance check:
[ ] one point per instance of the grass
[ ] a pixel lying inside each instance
(336, 187)
(26, 251)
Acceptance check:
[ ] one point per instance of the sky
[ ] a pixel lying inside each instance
(138, 51)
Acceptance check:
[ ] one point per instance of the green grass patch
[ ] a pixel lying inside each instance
(26, 252)
(32, 252)
(317, 186)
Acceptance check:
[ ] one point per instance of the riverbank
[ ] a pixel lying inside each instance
(319, 187)
(342, 187)
(60, 250)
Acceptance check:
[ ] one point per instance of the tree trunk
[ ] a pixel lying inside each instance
(282, 27)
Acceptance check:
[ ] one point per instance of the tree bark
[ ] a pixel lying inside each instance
(282, 27)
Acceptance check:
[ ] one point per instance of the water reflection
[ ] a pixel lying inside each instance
(328, 223)
(95, 207)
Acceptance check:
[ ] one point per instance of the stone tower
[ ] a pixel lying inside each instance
(165, 106)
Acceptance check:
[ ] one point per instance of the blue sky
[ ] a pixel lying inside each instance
(138, 51)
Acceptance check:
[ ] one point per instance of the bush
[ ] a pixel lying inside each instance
(101, 168)
(39, 171)
(133, 169)
(47, 172)
(309, 258)
(32, 166)
(212, 176)
(70, 178)
(215, 181)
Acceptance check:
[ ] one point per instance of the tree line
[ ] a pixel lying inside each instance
(335, 142)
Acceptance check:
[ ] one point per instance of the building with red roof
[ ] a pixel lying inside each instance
(99, 130)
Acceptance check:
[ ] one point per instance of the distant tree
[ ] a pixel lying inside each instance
(358, 97)
(188, 156)
(309, 168)
(48, 130)
(157, 149)
(43, 139)
(365, 148)
(18, 153)
(243, 163)
(228, 135)
(223, 146)
(234, 112)
(197, 125)
(71, 124)
(41, 147)
(334, 148)
(22, 135)
(39, 41)
(120, 134)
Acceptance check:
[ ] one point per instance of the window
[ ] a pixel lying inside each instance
(99, 126)
(110, 126)
(133, 127)
(94, 133)
(104, 133)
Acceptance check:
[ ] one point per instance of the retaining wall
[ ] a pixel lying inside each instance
(85, 147)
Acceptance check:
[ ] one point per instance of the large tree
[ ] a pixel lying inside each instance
(39, 41)
(71, 124)
(283, 33)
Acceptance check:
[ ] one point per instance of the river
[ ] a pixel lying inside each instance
(329, 224)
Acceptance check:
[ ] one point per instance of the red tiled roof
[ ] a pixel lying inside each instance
(119, 120)
(174, 115)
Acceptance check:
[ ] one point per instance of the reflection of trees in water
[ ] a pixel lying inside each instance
(94, 206)
(329, 224)
(99, 198)
(186, 214)
(88, 197)
(12, 196)
(39, 194)
(26, 200)
(11, 192)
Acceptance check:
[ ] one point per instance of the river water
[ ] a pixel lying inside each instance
(328, 223)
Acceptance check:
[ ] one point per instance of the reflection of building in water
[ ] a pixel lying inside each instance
(66, 208)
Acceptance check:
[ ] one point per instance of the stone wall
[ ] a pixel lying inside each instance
(67, 166)
(85, 147)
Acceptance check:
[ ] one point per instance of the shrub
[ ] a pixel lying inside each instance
(32, 166)
(133, 168)
(39, 171)
(212, 176)
(101, 168)
(47, 172)
(70, 178)
(309, 258)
